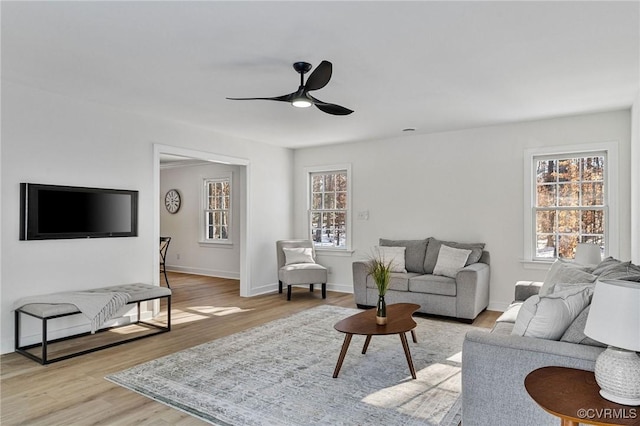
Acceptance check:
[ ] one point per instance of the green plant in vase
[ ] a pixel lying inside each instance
(380, 271)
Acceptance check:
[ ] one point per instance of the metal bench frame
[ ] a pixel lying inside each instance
(44, 359)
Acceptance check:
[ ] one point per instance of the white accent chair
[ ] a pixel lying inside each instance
(306, 273)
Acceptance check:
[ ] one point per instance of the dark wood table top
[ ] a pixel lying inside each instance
(399, 320)
(574, 395)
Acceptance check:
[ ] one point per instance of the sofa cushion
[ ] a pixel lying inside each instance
(433, 284)
(413, 255)
(392, 256)
(450, 261)
(399, 281)
(564, 272)
(433, 249)
(548, 317)
(575, 332)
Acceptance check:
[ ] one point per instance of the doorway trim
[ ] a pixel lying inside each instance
(159, 149)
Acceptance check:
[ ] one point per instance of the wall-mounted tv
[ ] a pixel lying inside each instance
(58, 212)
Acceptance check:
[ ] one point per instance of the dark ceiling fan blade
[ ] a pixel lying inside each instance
(333, 109)
(320, 76)
(283, 98)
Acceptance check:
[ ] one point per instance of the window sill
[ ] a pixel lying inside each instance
(542, 265)
(334, 252)
(216, 244)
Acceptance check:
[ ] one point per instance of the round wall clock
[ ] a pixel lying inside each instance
(172, 201)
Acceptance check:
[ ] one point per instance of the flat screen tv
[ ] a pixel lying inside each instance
(59, 212)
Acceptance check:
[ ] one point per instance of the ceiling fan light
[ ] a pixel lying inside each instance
(301, 103)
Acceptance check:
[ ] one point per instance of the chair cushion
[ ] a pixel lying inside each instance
(433, 284)
(294, 255)
(303, 273)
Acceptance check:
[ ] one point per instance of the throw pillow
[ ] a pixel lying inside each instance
(298, 255)
(606, 263)
(511, 313)
(413, 255)
(620, 271)
(575, 332)
(450, 261)
(394, 256)
(564, 272)
(433, 250)
(548, 317)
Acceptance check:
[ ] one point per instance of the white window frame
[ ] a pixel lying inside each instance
(611, 193)
(309, 171)
(204, 210)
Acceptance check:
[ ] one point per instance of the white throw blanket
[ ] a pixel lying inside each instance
(98, 307)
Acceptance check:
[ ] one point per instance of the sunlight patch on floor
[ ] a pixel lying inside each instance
(218, 311)
(456, 358)
(441, 382)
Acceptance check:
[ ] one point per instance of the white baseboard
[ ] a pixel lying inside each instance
(232, 275)
(273, 287)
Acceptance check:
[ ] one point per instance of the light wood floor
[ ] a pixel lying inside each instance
(74, 391)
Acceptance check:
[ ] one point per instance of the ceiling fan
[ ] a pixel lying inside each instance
(301, 97)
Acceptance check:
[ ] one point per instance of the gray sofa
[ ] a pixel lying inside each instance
(462, 297)
(495, 364)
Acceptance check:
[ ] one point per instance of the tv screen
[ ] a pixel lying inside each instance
(59, 212)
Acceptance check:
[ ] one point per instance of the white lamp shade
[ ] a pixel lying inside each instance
(614, 316)
(587, 254)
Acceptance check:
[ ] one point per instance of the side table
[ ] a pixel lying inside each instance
(574, 396)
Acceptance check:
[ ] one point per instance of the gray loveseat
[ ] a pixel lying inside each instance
(462, 297)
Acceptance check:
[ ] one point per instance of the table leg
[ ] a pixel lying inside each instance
(366, 344)
(343, 352)
(405, 345)
(567, 422)
(413, 335)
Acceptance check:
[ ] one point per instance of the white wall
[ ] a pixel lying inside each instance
(186, 253)
(635, 180)
(48, 138)
(463, 186)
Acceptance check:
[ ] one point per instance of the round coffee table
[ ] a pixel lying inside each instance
(399, 321)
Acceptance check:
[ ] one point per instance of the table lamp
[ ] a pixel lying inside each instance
(614, 319)
(587, 254)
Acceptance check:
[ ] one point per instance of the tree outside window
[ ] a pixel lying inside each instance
(570, 204)
(217, 209)
(329, 209)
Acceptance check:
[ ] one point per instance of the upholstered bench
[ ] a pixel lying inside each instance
(137, 293)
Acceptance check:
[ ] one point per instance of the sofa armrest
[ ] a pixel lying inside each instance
(526, 289)
(472, 290)
(360, 282)
(494, 366)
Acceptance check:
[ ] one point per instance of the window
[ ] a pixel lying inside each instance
(217, 209)
(570, 200)
(329, 208)
(570, 205)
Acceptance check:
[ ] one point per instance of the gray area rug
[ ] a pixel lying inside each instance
(280, 373)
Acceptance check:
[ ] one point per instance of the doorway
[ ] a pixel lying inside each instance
(163, 155)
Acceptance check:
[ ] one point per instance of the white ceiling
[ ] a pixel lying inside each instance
(432, 66)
